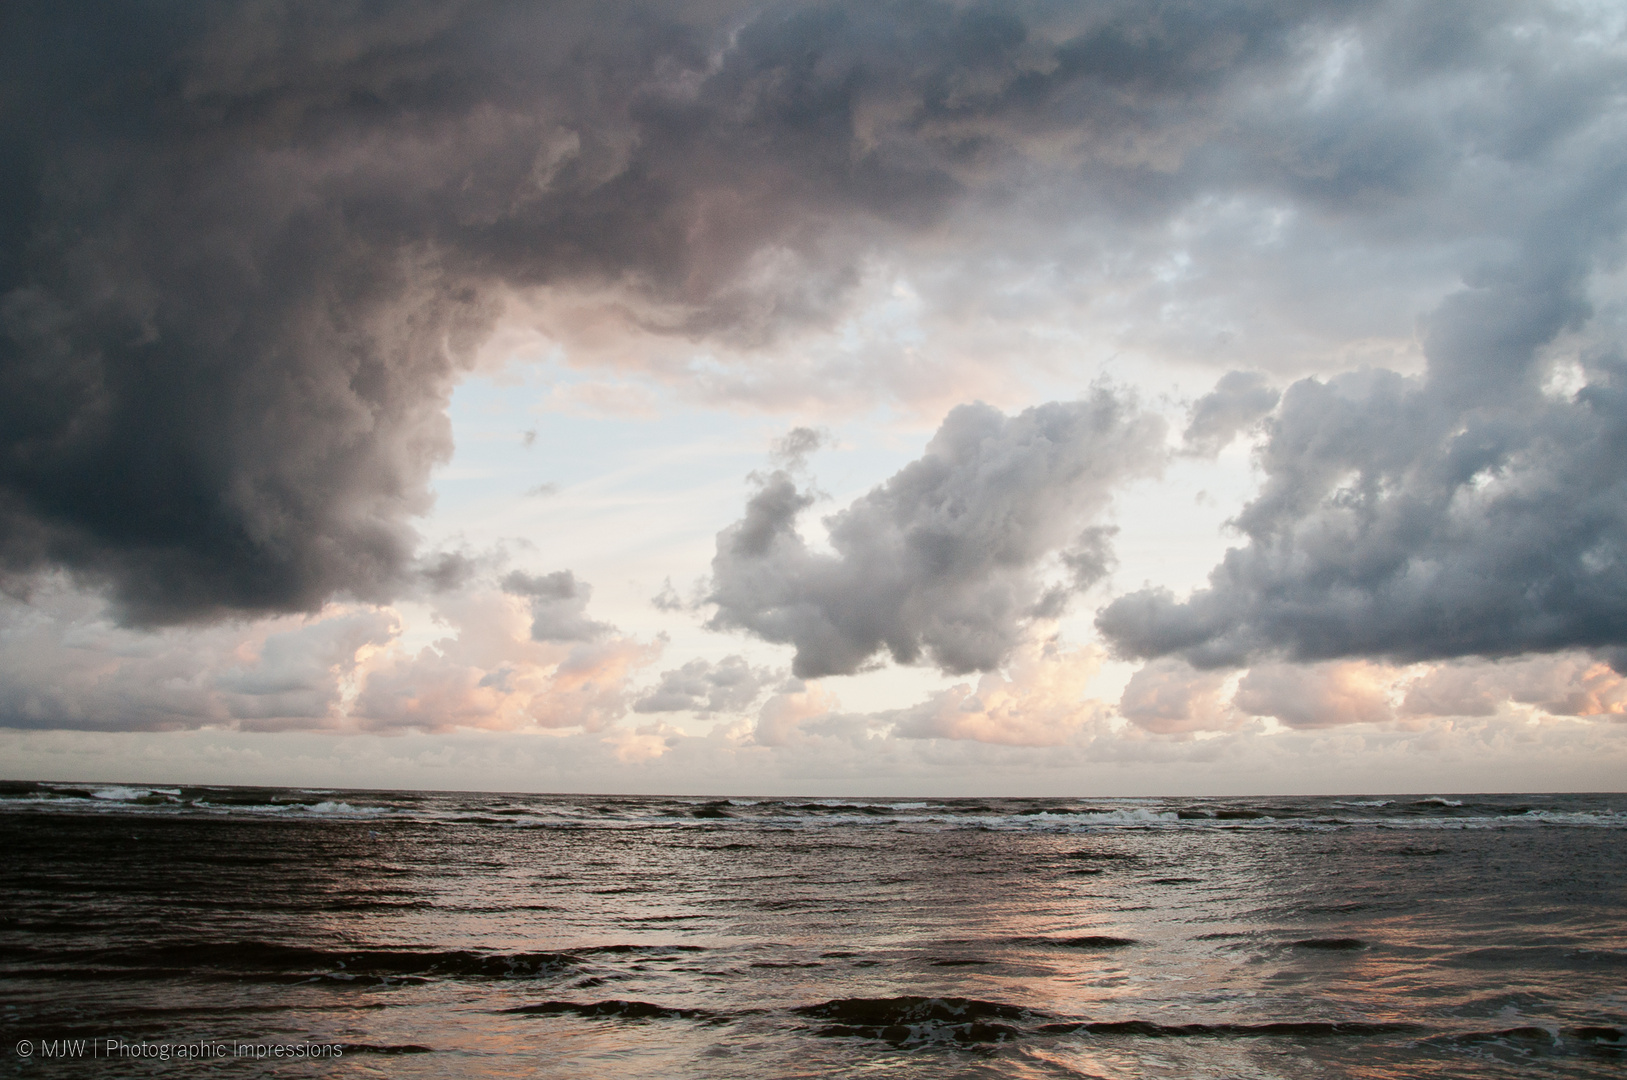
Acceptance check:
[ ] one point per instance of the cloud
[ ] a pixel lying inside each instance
(1401, 520)
(785, 719)
(558, 605)
(247, 251)
(65, 664)
(242, 278)
(1442, 755)
(1309, 696)
(1468, 509)
(1570, 684)
(791, 453)
(1039, 701)
(1170, 697)
(1342, 693)
(448, 570)
(642, 744)
(729, 686)
(497, 671)
(453, 686)
(1239, 399)
(667, 599)
(486, 705)
(942, 562)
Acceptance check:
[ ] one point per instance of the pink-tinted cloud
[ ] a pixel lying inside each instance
(65, 664)
(1170, 697)
(1308, 696)
(1569, 684)
(1039, 700)
(780, 721)
(493, 673)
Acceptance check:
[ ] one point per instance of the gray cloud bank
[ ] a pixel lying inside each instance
(246, 251)
(1465, 512)
(1477, 508)
(943, 561)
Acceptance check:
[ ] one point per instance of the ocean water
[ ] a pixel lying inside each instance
(263, 932)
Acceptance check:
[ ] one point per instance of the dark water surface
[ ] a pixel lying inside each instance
(473, 935)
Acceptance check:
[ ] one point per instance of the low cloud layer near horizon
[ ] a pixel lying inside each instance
(249, 253)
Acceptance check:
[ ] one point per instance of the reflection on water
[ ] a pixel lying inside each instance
(477, 935)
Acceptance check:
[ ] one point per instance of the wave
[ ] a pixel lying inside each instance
(910, 1021)
(1523, 1043)
(1043, 816)
(1293, 1029)
(103, 797)
(1338, 944)
(1191, 814)
(635, 949)
(1533, 957)
(617, 1009)
(1085, 941)
(329, 806)
(276, 962)
(127, 794)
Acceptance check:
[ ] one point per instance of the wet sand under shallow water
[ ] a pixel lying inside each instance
(473, 935)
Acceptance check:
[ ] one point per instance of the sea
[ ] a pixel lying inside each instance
(260, 932)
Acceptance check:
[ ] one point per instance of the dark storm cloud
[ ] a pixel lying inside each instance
(246, 250)
(942, 562)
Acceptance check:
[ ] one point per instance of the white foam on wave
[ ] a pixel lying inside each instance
(130, 794)
(1580, 819)
(1135, 816)
(328, 806)
(1607, 819)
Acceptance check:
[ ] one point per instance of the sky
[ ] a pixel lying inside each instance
(1090, 398)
